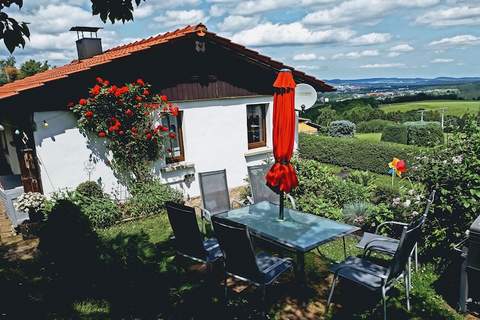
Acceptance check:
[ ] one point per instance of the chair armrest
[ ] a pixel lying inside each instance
(205, 214)
(273, 266)
(292, 201)
(250, 199)
(389, 223)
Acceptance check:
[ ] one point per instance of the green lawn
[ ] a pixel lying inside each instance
(130, 271)
(455, 107)
(372, 137)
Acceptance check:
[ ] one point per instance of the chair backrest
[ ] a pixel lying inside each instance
(237, 249)
(214, 190)
(420, 221)
(399, 261)
(188, 238)
(258, 185)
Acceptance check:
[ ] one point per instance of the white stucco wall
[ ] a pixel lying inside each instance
(214, 133)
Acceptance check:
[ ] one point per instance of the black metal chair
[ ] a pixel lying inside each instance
(215, 195)
(376, 277)
(240, 259)
(260, 190)
(372, 242)
(188, 239)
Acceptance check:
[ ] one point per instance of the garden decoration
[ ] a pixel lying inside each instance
(397, 167)
(128, 121)
(282, 177)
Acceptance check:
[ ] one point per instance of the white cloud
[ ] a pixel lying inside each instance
(270, 34)
(442, 60)
(457, 41)
(404, 47)
(217, 11)
(304, 67)
(176, 18)
(371, 39)
(259, 6)
(356, 54)
(361, 10)
(456, 16)
(307, 57)
(233, 23)
(382, 65)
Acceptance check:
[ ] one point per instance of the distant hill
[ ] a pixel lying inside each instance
(401, 82)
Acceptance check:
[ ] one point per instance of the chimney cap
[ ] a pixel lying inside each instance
(85, 29)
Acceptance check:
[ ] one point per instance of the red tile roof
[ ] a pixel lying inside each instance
(121, 51)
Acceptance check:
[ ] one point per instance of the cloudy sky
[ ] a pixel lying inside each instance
(327, 38)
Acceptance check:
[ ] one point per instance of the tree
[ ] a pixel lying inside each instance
(7, 70)
(31, 67)
(12, 32)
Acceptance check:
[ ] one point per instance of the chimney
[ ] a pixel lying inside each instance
(87, 47)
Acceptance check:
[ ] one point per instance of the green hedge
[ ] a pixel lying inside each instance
(375, 125)
(427, 134)
(397, 133)
(353, 153)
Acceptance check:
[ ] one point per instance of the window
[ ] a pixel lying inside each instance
(256, 126)
(175, 146)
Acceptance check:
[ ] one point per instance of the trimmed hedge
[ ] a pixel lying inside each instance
(397, 133)
(375, 125)
(425, 134)
(354, 153)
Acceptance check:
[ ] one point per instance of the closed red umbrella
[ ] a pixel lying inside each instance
(282, 176)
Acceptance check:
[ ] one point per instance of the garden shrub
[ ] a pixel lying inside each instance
(426, 134)
(363, 178)
(342, 128)
(397, 133)
(323, 193)
(364, 113)
(149, 198)
(326, 116)
(353, 153)
(453, 171)
(101, 212)
(357, 213)
(375, 125)
(90, 189)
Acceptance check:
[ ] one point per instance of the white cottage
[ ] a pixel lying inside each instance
(223, 89)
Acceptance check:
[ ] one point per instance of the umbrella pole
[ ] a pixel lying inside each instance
(281, 215)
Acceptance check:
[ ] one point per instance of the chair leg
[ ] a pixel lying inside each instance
(384, 300)
(330, 295)
(406, 277)
(409, 266)
(225, 289)
(416, 257)
(264, 301)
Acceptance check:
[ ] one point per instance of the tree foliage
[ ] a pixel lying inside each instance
(113, 10)
(31, 67)
(12, 32)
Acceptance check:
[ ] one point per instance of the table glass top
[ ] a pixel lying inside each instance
(300, 231)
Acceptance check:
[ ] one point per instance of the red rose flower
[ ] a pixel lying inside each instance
(164, 98)
(169, 150)
(121, 132)
(112, 89)
(83, 102)
(138, 98)
(134, 130)
(89, 114)
(146, 92)
(174, 110)
(102, 134)
(99, 80)
(172, 135)
(106, 83)
(148, 136)
(95, 90)
(111, 129)
(129, 113)
(163, 128)
(140, 82)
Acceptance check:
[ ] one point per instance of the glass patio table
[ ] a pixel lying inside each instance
(299, 232)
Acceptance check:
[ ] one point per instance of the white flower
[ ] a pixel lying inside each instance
(415, 213)
(411, 192)
(396, 201)
(457, 159)
(407, 203)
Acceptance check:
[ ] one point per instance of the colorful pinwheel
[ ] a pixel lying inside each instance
(397, 167)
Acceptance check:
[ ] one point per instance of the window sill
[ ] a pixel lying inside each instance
(258, 151)
(178, 166)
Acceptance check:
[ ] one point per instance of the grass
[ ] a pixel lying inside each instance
(135, 274)
(372, 137)
(455, 107)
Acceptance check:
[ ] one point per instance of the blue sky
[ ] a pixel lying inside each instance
(326, 38)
